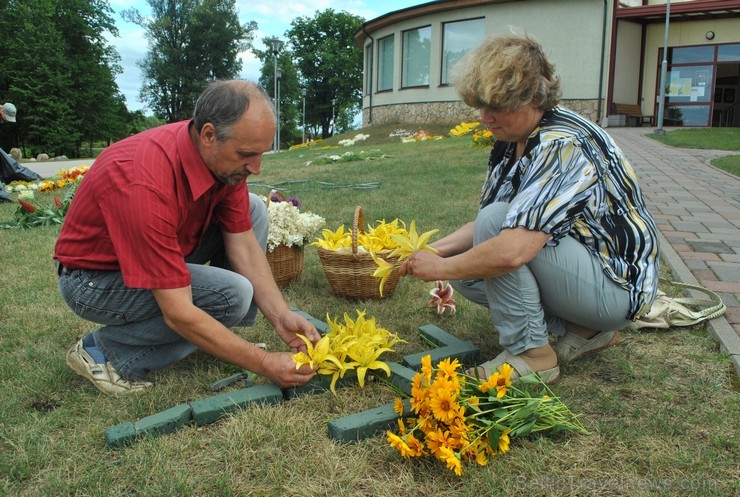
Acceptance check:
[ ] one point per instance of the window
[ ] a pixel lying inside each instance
(385, 63)
(728, 53)
(417, 45)
(368, 69)
(686, 115)
(688, 55)
(689, 84)
(457, 38)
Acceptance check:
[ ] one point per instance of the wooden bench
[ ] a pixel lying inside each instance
(633, 111)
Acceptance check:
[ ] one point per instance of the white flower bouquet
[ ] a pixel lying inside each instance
(288, 225)
(288, 231)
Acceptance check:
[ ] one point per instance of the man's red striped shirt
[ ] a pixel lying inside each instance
(144, 206)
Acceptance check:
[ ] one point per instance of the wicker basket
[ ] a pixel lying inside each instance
(351, 275)
(286, 264)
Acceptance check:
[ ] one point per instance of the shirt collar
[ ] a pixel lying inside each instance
(196, 171)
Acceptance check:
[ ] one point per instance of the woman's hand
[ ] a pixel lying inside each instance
(424, 266)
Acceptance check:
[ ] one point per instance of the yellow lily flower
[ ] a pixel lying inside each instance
(413, 243)
(354, 344)
(464, 128)
(333, 240)
(384, 270)
(318, 354)
(371, 243)
(367, 358)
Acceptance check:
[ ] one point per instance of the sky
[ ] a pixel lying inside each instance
(273, 19)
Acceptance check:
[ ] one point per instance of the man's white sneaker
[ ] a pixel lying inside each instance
(103, 376)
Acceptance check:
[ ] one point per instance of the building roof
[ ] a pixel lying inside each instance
(680, 11)
(369, 27)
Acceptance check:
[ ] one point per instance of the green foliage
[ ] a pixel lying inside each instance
(59, 72)
(28, 215)
(140, 122)
(191, 42)
(330, 66)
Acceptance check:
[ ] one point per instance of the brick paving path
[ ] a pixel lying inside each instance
(697, 209)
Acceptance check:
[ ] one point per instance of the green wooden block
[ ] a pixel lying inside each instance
(438, 336)
(465, 352)
(320, 384)
(165, 422)
(364, 424)
(321, 326)
(214, 408)
(401, 376)
(121, 435)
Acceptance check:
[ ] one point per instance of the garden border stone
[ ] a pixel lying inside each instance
(349, 428)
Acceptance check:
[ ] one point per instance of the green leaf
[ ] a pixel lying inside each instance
(494, 435)
(500, 413)
(523, 429)
(531, 379)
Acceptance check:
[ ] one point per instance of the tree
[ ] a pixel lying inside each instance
(59, 71)
(99, 111)
(330, 66)
(191, 42)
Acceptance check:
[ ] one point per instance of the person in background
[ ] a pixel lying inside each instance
(151, 212)
(563, 242)
(7, 113)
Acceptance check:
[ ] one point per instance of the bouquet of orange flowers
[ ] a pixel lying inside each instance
(459, 417)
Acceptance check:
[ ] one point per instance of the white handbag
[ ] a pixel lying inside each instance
(668, 312)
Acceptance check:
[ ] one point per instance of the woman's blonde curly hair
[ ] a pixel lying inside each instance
(506, 72)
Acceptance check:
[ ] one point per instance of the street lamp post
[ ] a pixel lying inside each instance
(333, 119)
(303, 93)
(663, 71)
(277, 110)
(276, 46)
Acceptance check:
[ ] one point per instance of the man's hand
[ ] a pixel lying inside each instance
(290, 326)
(280, 368)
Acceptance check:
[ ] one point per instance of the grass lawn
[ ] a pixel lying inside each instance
(660, 408)
(707, 138)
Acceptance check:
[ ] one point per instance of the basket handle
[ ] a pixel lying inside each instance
(275, 193)
(358, 223)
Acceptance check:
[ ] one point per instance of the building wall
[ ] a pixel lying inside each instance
(577, 55)
(626, 64)
(450, 112)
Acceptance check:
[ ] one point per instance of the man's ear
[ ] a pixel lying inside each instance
(208, 135)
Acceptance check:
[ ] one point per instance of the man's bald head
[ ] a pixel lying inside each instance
(224, 102)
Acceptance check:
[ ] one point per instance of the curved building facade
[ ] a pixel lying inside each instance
(605, 52)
